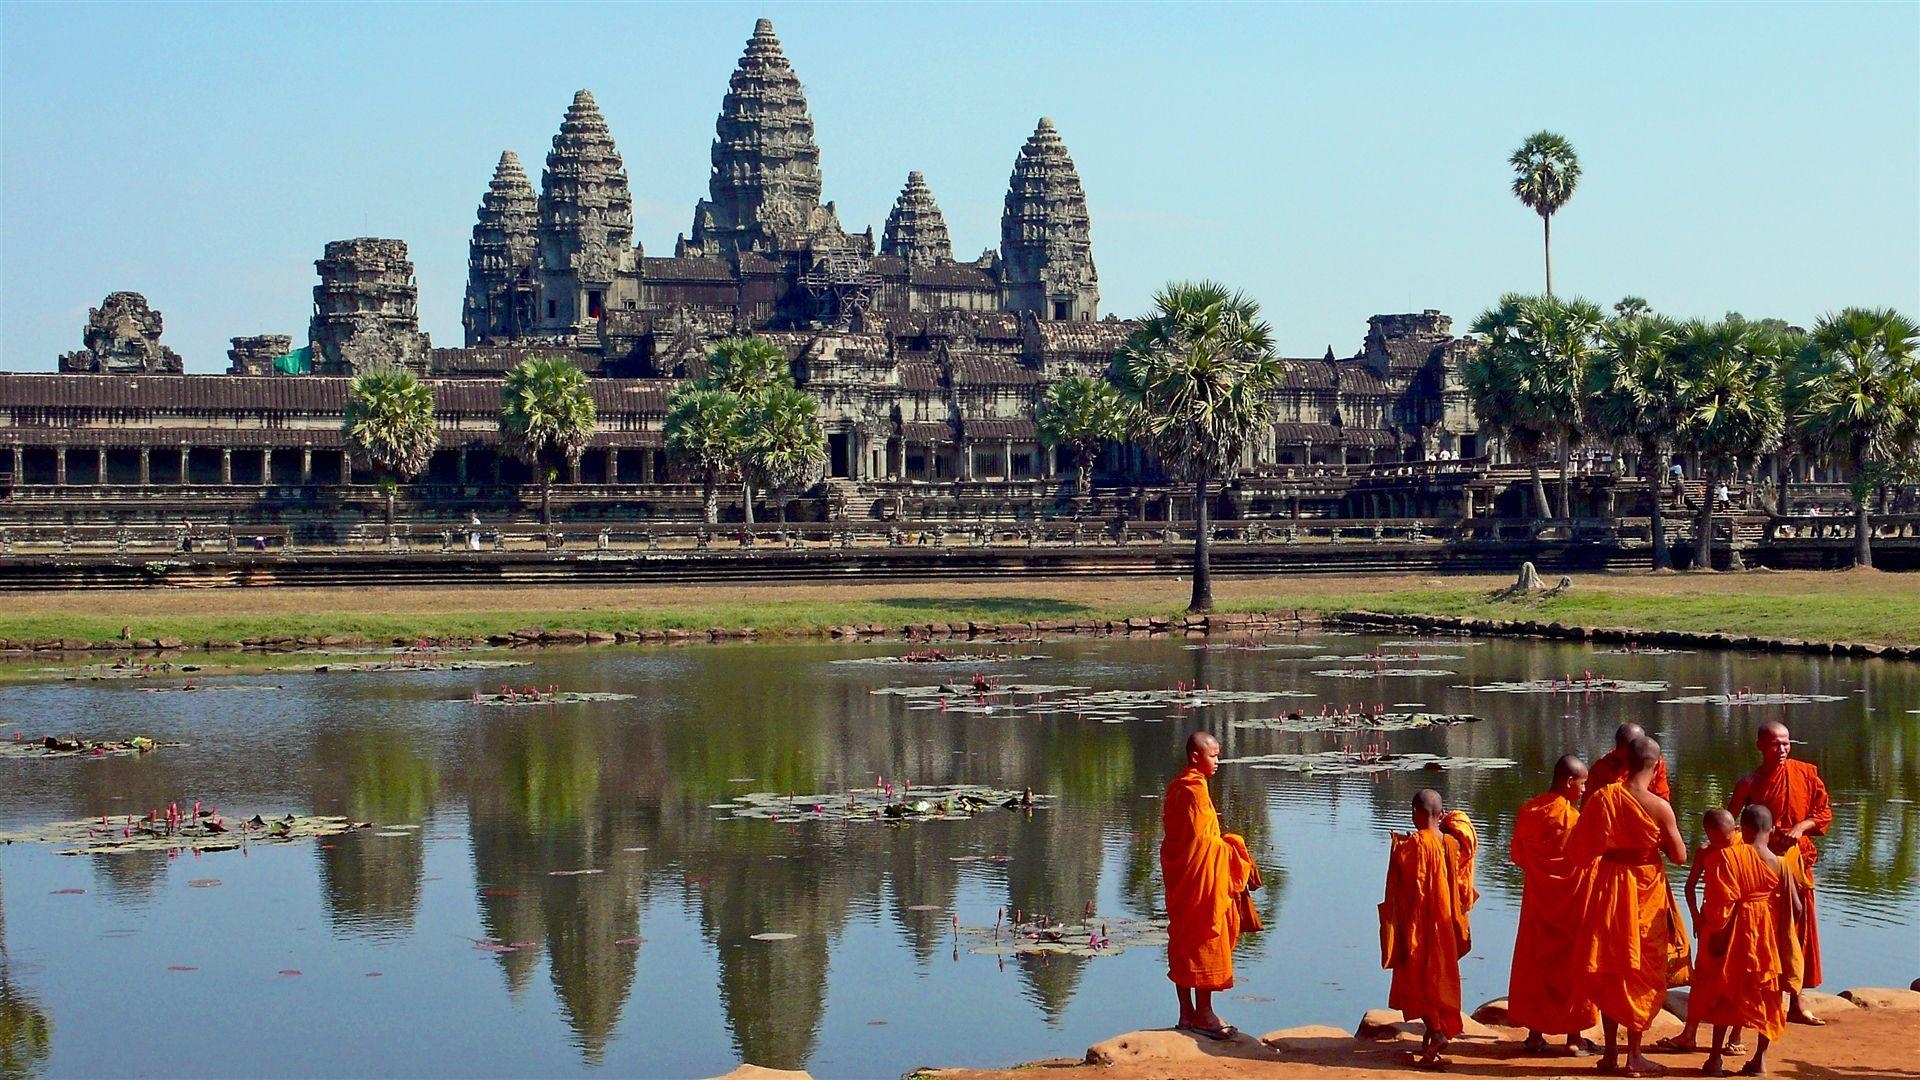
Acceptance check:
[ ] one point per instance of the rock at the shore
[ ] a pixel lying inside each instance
(1880, 997)
(1493, 1012)
(755, 1072)
(1820, 1002)
(1381, 1024)
(1677, 1001)
(1308, 1039)
(1167, 1045)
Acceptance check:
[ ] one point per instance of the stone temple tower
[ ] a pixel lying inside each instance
(585, 227)
(916, 230)
(764, 191)
(366, 309)
(1046, 245)
(501, 258)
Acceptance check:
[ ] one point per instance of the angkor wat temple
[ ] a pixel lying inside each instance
(928, 367)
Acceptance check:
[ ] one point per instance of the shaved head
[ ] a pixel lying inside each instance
(1756, 817)
(1718, 819)
(1568, 768)
(1624, 735)
(1203, 753)
(1774, 742)
(1427, 801)
(1200, 741)
(1644, 753)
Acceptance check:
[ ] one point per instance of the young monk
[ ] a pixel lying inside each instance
(1543, 991)
(1423, 922)
(1721, 832)
(1747, 924)
(1629, 933)
(1612, 768)
(1206, 874)
(1796, 796)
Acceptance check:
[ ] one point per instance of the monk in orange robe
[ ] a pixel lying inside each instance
(1630, 932)
(1207, 876)
(1797, 796)
(1543, 991)
(1722, 831)
(1612, 768)
(1424, 929)
(1747, 925)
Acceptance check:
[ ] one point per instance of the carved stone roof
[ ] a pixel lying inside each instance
(988, 369)
(686, 268)
(586, 210)
(998, 428)
(310, 394)
(952, 275)
(1306, 434)
(503, 232)
(1045, 234)
(916, 231)
(484, 360)
(927, 431)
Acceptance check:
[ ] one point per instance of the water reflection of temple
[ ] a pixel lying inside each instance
(26, 1031)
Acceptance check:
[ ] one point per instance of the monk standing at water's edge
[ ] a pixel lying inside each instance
(1630, 933)
(1797, 797)
(1543, 991)
(1207, 875)
(1615, 764)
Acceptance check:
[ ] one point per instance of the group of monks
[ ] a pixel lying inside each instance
(1600, 938)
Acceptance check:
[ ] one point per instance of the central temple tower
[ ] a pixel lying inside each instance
(1046, 242)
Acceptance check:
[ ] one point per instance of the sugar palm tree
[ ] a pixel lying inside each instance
(1727, 391)
(547, 415)
(783, 446)
(1630, 397)
(1197, 376)
(746, 365)
(389, 427)
(1526, 380)
(703, 431)
(1545, 172)
(1859, 401)
(1081, 413)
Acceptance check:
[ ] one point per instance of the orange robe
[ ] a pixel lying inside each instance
(1543, 990)
(1630, 937)
(1205, 872)
(1423, 924)
(1794, 792)
(1704, 986)
(1742, 922)
(1613, 767)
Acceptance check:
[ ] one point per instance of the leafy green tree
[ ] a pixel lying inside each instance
(1630, 398)
(1198, 375)
(704, 431)
(746, 366)
(547, 415)
(1545, 172)
(1727, 386)
(1082, 413)
(783, 446)
(1526, 380)
(1859, 401)
(1632, 307)
(389, 427)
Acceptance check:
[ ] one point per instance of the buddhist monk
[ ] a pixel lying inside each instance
(1746, 924)
(1629, 934)
(1206, 875)
(1423, 922)
(1797, 796)
(1721, 831)
(1543, 991)
(1612, 768)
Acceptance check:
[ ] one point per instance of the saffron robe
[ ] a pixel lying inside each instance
(1543, 989)
(1630, 939)
(1705, 983)
(1613, 767)
(1204, 873)
(1423, 925)
(1794, 792)
(1743, 922)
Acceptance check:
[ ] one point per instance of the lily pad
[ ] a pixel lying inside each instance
(1596, 684)
(542, 697)
(376, 667)
(118, 835)
(1354, 763)
(1357, 722)
(887, 805)
(1086, 938)
(937, 657)
(1379, 672)
(73, 746)
(774, 936)
(1751, 699)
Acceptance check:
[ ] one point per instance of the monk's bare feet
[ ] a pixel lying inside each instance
(1639, 1066)
(1714, 1066)
(1799, 1015)
(1579, 1047)
(1536, 1043)
(1607, 1066)
(1737, 1049)
(1755, 1067)
(1432, 1063)
(1676, 1044)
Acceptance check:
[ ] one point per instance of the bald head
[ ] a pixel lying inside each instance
(1203, 753)
(1717, 820)
(1624, 735)
(1427, 801)
(1200, 741)
(1775, 744)
(1643, 754)
(1756, 817)
(1569, 767)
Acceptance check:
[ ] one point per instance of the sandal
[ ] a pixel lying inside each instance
(1219, 1034)
(1672, 1045)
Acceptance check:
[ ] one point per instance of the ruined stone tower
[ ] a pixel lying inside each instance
(916, 231)
(366, 309)
(501, 258)
(764, 190)
(585, 227)
(122, 338)
(1045, 237)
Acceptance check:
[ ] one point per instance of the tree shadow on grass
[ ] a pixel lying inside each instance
(1007, 607)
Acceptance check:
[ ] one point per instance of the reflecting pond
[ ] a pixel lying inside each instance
(475, 945)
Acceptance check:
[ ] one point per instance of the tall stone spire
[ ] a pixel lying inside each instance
(1046, 247)
(916, 231)
(764, 191)
(501, 257)
(586, 217)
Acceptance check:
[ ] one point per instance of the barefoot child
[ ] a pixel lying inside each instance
(1721, 832)
(1747, 925)
(1423, 922)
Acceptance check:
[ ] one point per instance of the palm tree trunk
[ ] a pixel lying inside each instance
(1202, 601)
(1566, 488)
(1541, 511)
(1862, 518)
(1703, 538)
(1546, 233)
(1084, 460)
(746, 505)
(1650, 470)
(710, 498)
(390, 494)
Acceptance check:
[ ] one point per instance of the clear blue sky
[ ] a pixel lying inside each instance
(1335, 161)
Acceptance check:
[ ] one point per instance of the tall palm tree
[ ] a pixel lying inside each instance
(1526, 380)
(1082, 413)
(1859, 400)
(1727, 388)
(389, 427)
(1630, 397)
(1545, 172)
(746, 365)
(547, 415)
(783, 446)
(703, 430)
(1198, 375)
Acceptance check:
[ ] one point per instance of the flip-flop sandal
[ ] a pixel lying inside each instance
(1672, 1045)
(1652, 1069)
(1736, 1049)
(1433, 1064)
(1219, 1034)
(1749, 1070)
(1605, 1068)
(1806, 1018)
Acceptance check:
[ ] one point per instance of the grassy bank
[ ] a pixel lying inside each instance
(1884, 608)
